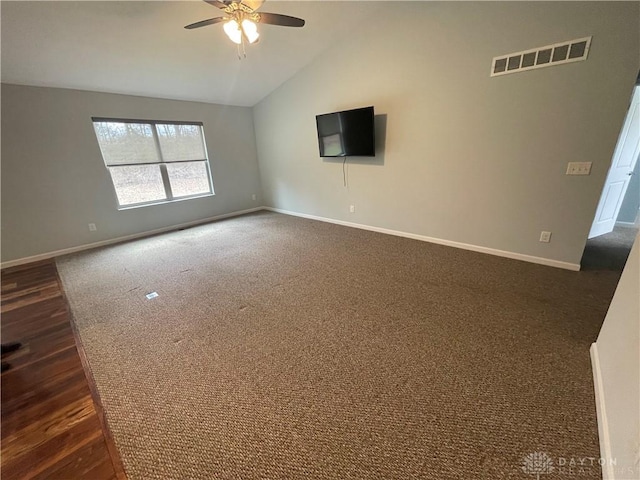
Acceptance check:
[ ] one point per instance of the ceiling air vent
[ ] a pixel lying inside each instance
(556, 54)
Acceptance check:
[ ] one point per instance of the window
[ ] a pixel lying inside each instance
(152, 162)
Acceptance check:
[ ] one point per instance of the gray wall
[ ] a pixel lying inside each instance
(54, 181)
(467, 158)
(631, 202)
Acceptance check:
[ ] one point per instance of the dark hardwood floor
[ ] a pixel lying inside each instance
(52, 421)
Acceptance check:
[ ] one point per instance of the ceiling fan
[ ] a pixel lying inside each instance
(242, 18)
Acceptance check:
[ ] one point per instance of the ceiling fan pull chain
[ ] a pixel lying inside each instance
(241, 51)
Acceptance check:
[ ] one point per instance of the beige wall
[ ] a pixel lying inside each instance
(54, 181)
(467, 158)
(618, 353)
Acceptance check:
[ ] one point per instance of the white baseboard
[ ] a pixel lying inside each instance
(449, 243)
(88, 246)
(601, 414)
(424, 238)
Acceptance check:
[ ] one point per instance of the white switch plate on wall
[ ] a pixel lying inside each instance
(545, 237)
(578, 168)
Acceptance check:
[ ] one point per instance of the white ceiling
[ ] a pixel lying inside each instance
(141, 48)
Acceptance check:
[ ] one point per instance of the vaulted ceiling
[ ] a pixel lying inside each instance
(141, 48)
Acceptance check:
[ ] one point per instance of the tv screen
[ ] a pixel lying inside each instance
(347, 134)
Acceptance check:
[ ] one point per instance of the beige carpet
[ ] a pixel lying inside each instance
(280, 347)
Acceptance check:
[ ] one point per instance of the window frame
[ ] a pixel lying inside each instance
(162, 163)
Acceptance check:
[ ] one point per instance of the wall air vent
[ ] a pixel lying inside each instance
(556, 54)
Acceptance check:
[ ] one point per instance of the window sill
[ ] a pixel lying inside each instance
(164, 202)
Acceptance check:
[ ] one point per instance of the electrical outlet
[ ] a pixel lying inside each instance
(352, 208)
(545, 237)
(253, 197)
(579, 168)
(92, 227)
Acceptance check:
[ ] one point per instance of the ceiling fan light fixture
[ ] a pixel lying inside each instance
(250, 30)
(241, 19)
(232, 29)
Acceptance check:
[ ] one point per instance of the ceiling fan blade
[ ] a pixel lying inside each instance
(217, 3)
(253, 4)
(204, 23)
(282, 20)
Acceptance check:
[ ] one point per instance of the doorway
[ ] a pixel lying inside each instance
(617, 218)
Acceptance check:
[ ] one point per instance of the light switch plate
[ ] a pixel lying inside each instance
(578, 168)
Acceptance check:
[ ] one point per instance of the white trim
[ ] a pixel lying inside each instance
(625, 224)
(131, 206)
(88, 246)
(601, 414)
(465, 246)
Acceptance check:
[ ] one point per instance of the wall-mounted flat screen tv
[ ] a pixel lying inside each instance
(347, 134)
